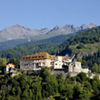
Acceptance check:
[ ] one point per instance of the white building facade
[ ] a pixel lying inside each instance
(76, 67)
(58, 62)
(43, 59)
(35, 62)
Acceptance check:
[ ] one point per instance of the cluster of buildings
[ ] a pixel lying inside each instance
(35, 62)
(56, 64)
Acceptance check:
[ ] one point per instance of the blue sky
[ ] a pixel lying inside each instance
(37, 14)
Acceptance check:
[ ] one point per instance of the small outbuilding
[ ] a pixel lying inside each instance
(9, 67)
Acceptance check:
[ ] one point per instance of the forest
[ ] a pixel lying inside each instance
(45, 86)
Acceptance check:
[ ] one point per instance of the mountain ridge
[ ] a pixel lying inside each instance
(20, 32)
(15, 35)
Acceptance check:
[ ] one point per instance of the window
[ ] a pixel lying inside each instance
(43, 63)
(37, 65)
(55, 63)
(25, 64)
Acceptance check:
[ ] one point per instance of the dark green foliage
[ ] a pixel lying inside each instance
(77, 91)
(95, 68)
(21, 51)
(80, 46)
(3, 63)
(14, 61)
(84, 63)
(49, 87)
(93, 61)
(81, 77)
(49, 83)
(79, 58)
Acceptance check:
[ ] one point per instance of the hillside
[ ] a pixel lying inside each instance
(19, 42)
(21, 51)
(85, 42)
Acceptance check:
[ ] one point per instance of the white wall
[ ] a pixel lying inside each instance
(58, 62)
(34, 64)
(77, 67)
(85, 70)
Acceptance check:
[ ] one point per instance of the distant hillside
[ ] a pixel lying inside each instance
(85, 42)
(17, 35)
(19, 42)
(21, 51)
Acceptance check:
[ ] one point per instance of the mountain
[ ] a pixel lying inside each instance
(17, 32)
(84, 26)
(16, 35)
(20, 32)
(85, 42)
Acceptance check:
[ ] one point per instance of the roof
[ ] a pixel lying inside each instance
(10, 66)
(40, 55)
